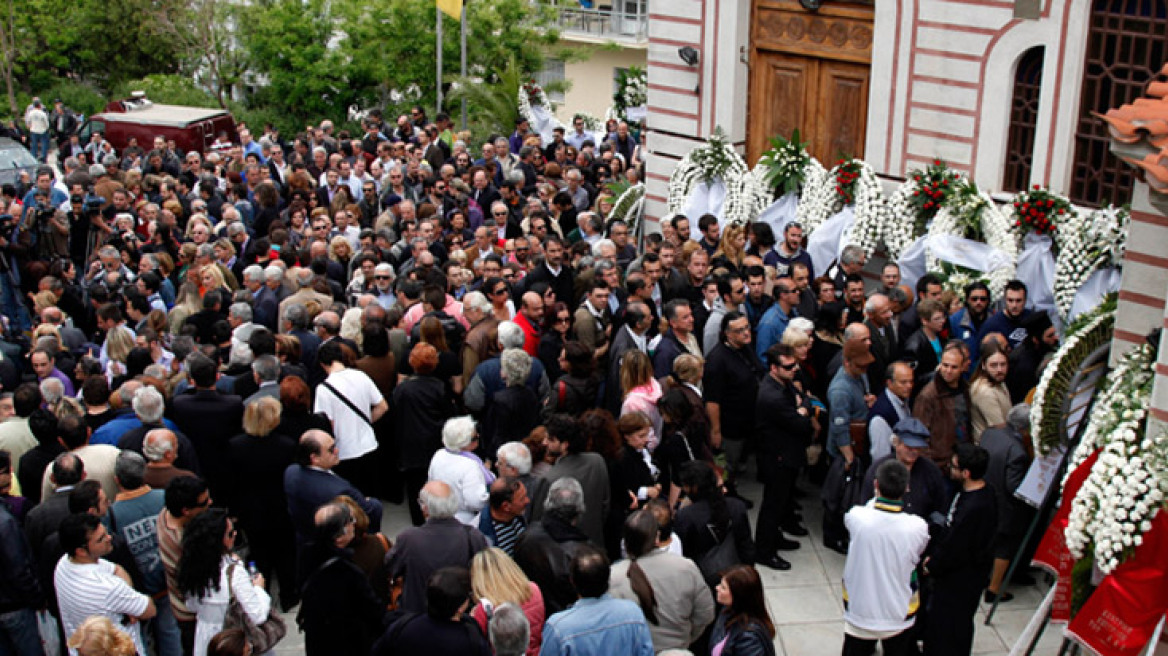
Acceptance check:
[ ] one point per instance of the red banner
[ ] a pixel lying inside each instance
(1052, 552)
(1121, 615)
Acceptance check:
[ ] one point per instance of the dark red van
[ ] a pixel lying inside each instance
(191, 128)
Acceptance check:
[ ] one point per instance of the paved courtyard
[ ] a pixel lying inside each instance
(805, 602)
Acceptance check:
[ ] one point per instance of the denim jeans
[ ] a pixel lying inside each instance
(10, 302)
(40, 145)
(163, 628)
(19, 635)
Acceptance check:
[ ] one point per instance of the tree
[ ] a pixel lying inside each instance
(8, 54)
(206, 42)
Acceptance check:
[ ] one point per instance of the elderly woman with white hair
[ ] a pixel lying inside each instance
(457, 465)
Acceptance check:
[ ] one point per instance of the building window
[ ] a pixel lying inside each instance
(1023, 120)
(1127, 44)
(552, 73)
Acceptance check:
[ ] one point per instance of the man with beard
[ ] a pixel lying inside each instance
(1009, 321)
(854, 298)
(966, 324)
(790, 250)
(1027, 358)
(988, 394)
(943, 405)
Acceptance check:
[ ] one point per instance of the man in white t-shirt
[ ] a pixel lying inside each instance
(87, 585)
(881, 594)
(353, 403)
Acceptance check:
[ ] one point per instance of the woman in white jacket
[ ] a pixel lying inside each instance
(209, 575)
(459, 467)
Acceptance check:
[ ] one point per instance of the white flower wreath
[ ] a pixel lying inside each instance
(627, 206)
(995, 225)
(1087, 243)
(716, 160)
(1128, 482)
(817, 202)
(899, 220)
(525, 106)
(870, 209)
(1077, 345)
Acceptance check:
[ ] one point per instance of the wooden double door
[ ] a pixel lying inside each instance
(810, 71)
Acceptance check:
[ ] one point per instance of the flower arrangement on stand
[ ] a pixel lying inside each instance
(1128, 483)
(632, 91)
(784, 166)
(972, 214)
(857, 185)
(932, 188)
(817, 201)
(1040, 211)
(716, 160)
(1086, 244)
(627, 206)
(531, 94)
(1087, 334)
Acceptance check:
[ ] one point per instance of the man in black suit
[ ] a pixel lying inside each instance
(783, 427)
(265, 307)
(631, 336)
(43, 520)
(204, 320)
(309, 483)
(878, 310)
(484, 193)
(554, 271)
(208, 417)
(296, 325)
(326, 192)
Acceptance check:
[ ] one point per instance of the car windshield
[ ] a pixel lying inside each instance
(16, 157)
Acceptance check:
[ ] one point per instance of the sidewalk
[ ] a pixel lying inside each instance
(805, 601)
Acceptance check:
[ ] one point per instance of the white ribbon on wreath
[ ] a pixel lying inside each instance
(732, 196)
(543, 121)
(828, 241)
(1036, 267)
(995, 225)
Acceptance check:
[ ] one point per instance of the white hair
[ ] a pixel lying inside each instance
(600, 244)
(254, 273)
(440, 506)
(148, 405)
(476, 301)
(509, 630)
(157, 444)
(517, 455)
(53, 390)
(458, 433)
(510, 335)
(802, 323)
(515, 366)
(273, 272)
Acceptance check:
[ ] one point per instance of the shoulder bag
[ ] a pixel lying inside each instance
(263, 636)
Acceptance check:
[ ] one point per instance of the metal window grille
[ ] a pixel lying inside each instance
(1023, 120)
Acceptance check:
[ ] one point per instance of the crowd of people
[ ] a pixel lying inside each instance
(249, 350)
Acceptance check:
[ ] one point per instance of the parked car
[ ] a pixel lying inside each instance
(191, 128)
(15, 159)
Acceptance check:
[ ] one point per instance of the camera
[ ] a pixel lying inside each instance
(7, 226)
(93, 204)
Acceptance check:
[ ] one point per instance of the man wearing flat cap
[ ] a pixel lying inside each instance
(927, 491)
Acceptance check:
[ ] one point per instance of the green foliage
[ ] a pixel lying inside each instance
(77, 96)
(786, 161)
(714, 158)
(936, 184)
(492, 103)
(167, 90)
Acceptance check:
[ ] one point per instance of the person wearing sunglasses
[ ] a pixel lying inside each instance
(784, 424)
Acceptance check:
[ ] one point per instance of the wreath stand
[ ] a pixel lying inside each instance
(1085, 381)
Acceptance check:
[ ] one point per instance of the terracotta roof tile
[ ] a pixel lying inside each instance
(1145, 120)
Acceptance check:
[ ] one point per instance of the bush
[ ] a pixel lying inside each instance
(168, 90)
(80, 97)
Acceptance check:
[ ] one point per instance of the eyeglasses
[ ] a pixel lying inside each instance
(781, 290)
(788, 367)
(563, 319)
(979, 299)
(501, 290)
(498, 214)
(382, 278)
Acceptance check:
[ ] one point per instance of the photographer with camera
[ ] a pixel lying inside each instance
(49, 229)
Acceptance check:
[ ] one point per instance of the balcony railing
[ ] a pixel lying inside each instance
(623, 20)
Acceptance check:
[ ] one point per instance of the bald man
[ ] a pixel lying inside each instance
(529, 317)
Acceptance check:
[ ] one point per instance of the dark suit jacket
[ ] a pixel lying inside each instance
(782, 434)
(885, 350)
(210, 419)
(187, 458)
(266, 310)
(485, 197)
(622, 342)
(308, 489)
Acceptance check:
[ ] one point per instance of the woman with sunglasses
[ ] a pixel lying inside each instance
(498, 293)
(557, 330)
(210, 575)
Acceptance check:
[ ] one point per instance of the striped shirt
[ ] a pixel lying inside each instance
(507, 533)
(84, 590)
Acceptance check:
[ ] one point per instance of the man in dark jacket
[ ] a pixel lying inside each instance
(1009, 463)
(960, 563)
(678, 340)
(340, 613)
(943, 406)
(554, 271)
(208, 418)
(441, 542)
(20, 593)
(783, 427)
(544, 552)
